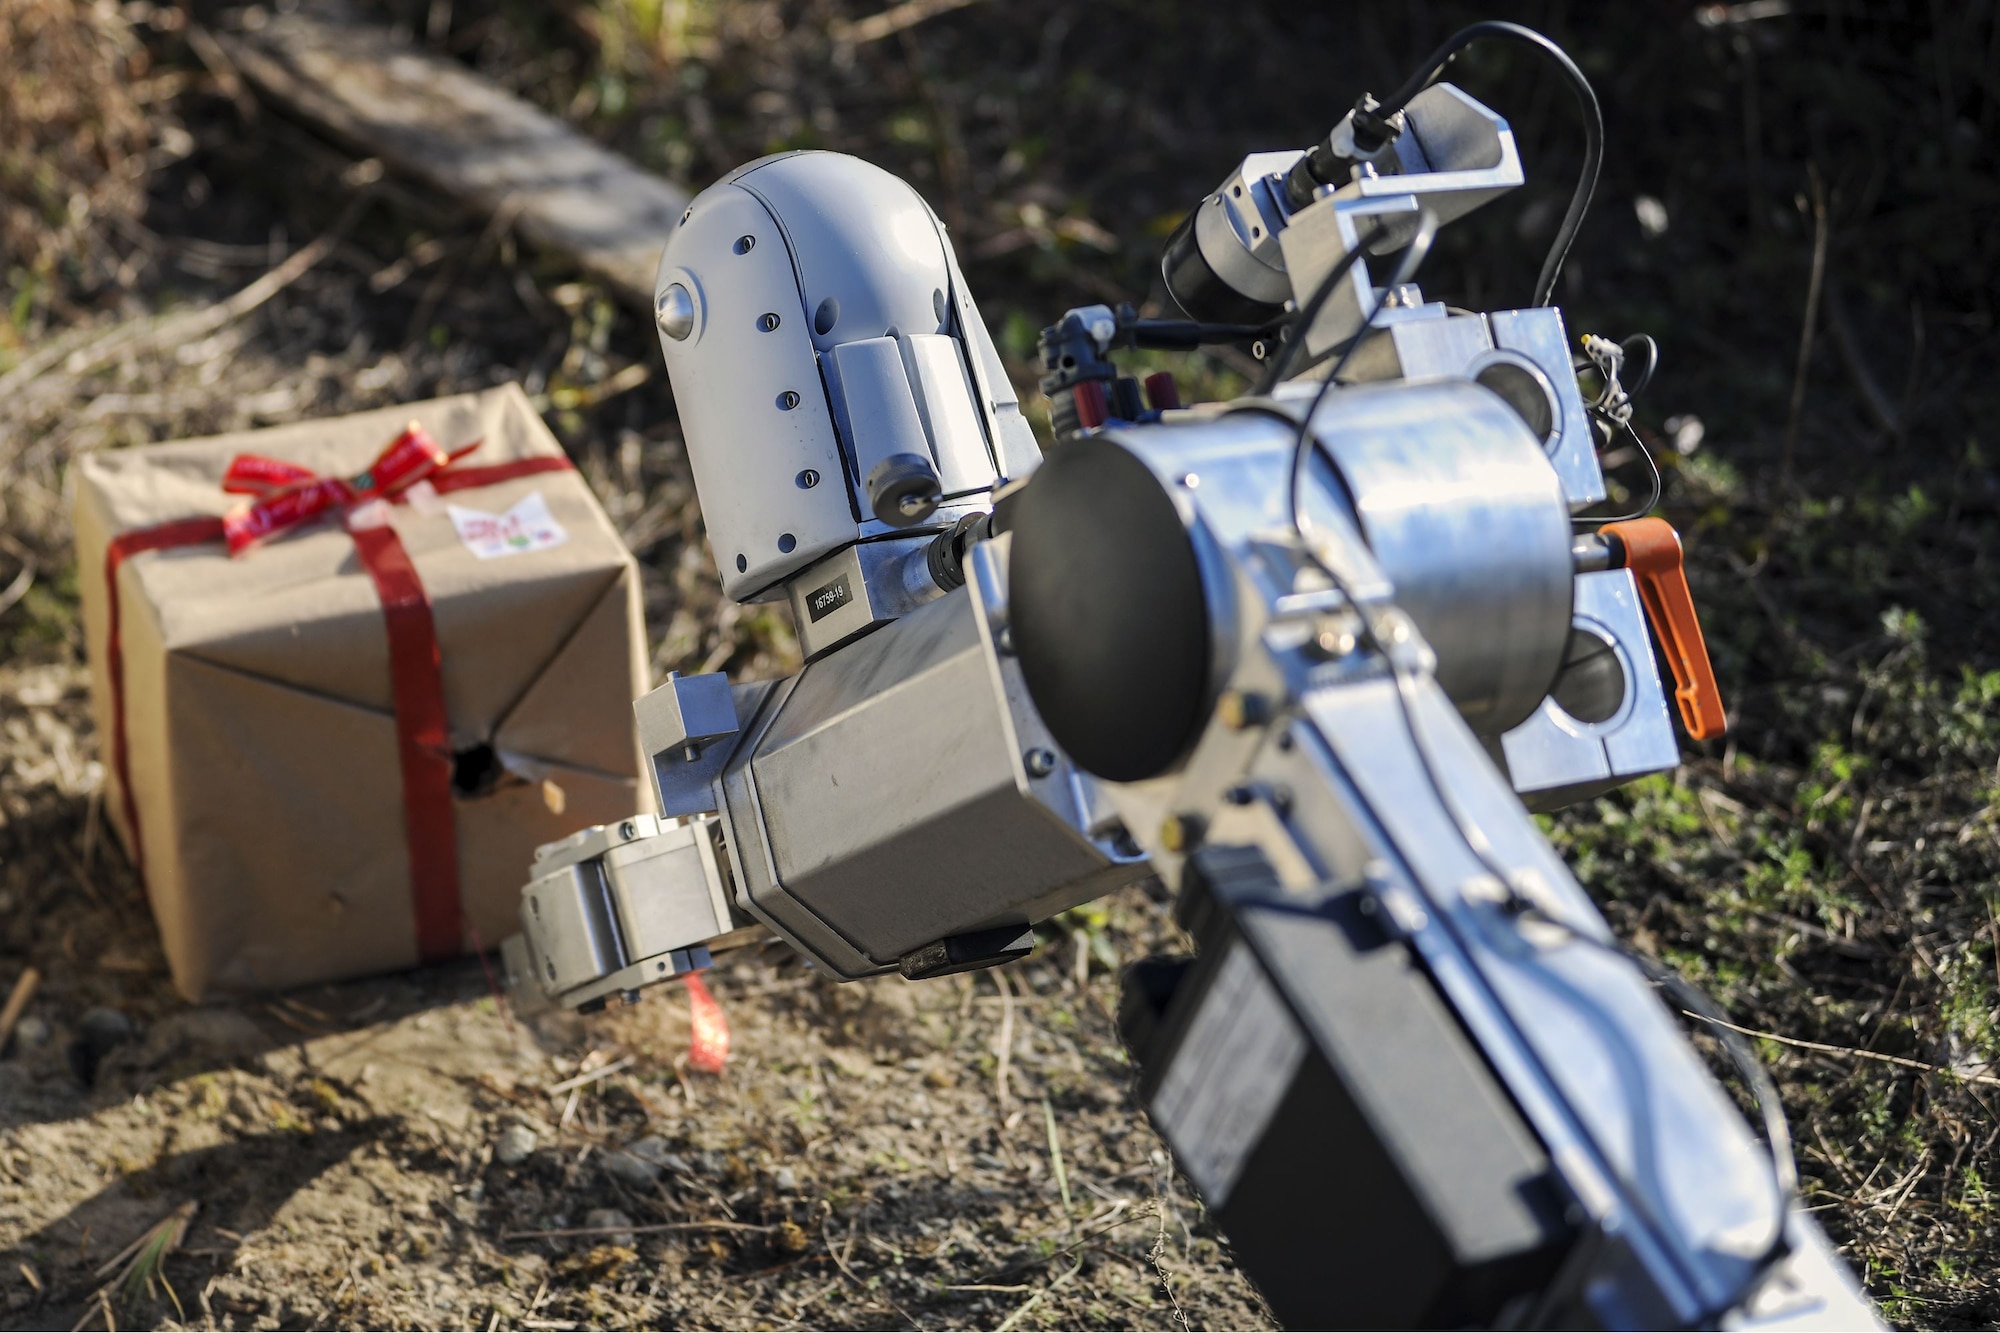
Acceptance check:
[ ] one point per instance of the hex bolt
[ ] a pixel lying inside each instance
(1040, 763)
(1180, 833)
(1242, 709)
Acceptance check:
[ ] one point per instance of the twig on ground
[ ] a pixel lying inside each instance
(139, 1263)
(647, 1229)
(17, 1003)
(1005, 1054)
(840, 1258)
(1873, 396)
(580, 1080)
(1056, 1161)
(1914, 379)
(893, 20)
(1036, 1299)
(1826, 1048)
(1814, 288)
(23, 581)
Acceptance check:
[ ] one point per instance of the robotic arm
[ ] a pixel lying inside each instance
(1310, 656)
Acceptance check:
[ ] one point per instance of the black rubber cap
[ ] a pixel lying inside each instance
(1107, 612)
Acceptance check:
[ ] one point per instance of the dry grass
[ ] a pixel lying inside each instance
(77, 122)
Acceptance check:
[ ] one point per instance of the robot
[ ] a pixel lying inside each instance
(1310, 656)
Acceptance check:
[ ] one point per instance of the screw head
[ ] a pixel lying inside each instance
(807, 479)
(745, 244)
(628, 830)
(1335, 642)
(1004, 640)
(1039, 762)
(767, 322)
(787, 400)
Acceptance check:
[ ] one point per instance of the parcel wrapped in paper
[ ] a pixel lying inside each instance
(348, 674)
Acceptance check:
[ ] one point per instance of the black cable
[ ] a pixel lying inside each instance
(1182, 335)
(1776, 1129)
(949, 496)
(1653, 499)
(1763, 1090)
(1300, 325)
(1641, 349)
(1372, 125)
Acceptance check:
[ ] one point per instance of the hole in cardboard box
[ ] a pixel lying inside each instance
(475, 771)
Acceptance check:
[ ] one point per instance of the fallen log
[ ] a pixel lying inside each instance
(436, 121)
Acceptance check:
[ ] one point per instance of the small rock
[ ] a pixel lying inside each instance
(611, 1220)
(642, 1161)
(786, 1180)
(98, 1033)
(31, 1031)
(102, 1028)
(514, 1145)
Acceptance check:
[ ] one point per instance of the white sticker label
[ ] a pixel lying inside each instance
(528, 526)
(1229, 1075)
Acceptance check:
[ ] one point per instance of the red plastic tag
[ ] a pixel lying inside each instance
(708, 1034)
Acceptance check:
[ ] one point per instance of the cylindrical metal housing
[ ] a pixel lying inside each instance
(1124, 630)
(1457, 500)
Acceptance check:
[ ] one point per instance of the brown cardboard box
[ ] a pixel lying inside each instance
(261, 732)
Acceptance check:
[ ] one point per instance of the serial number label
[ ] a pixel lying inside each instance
(823, 602)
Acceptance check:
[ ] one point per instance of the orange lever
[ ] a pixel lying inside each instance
(1653, 554)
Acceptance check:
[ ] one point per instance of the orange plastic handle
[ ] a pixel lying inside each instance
(1653, 554)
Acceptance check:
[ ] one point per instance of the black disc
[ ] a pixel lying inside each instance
(1107, 611)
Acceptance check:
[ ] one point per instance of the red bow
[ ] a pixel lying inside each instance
(289, 495)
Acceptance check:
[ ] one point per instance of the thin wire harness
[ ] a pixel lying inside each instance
(1774, 1128)
(1373, 122)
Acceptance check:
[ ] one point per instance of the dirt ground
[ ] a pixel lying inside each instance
(395, 1152)
(356, 1154)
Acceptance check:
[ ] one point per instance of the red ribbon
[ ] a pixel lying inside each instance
(290, 495)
